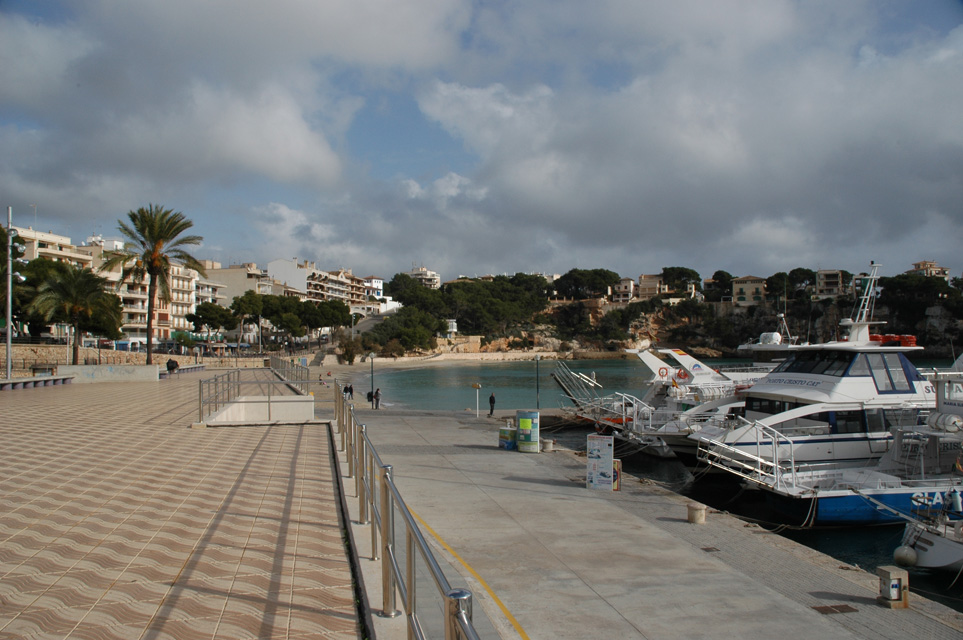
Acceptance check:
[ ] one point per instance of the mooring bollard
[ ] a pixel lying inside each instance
(697, 513)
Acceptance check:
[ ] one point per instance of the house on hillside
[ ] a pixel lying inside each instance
(748, 291)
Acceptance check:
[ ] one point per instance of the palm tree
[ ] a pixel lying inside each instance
(76, 296)
(154, 239)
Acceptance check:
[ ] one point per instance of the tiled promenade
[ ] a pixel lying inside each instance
(119, 521)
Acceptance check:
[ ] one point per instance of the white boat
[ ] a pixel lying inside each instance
(937, 542)
(937, 545)
(833, 402)
(678, 382)
(770, 346)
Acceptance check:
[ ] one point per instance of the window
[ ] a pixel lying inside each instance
(849, 421)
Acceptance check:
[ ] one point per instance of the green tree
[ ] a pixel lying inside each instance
(679, 278)
(36, 272)
(212, 317)
(250, 305)
(154, 237)
(799, 279)
(580, 284)
(76, 296)
(721, 286)
(777, 286)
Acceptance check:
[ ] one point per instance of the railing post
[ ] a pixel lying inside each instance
(410, 558)
(351, 443)
(371, 498)
(360, 478)
(200, 401)
(388, 589)
(457, 602)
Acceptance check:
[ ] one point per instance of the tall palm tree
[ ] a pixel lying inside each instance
(76, 296)
(153, 240)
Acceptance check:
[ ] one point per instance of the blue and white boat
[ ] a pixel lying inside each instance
(913, 480)
(829, 403)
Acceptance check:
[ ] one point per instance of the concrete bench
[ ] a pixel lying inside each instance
(34, 381)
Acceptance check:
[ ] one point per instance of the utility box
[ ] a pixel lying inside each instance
(893, 587)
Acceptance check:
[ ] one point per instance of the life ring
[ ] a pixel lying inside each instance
(682, 375)
(663, 372)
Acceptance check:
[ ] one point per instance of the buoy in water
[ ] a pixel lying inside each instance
(905, 556)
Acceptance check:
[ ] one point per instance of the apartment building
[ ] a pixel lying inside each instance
(426, 277)
(650, 285)
(930, 269)
(829, 283)
(623, 291)
(748, 291)
(52, 246)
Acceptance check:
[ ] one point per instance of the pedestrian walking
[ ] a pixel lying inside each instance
(491, 403)
(377, 398)
(171, 366)
(351, 391)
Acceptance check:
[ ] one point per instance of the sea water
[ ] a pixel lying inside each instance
(517, 385)
(528, 385)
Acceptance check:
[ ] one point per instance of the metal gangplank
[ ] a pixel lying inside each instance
(765, 466)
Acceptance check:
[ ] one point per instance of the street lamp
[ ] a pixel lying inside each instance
(476, 386)
(371, 360)
(10, 234)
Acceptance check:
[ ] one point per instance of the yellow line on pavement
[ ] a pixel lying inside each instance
(505, 611)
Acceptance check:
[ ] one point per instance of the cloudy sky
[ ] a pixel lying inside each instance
(496, 136)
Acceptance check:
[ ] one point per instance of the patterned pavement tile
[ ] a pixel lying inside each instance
(128, 524)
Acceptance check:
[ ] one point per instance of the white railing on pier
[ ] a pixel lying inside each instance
(379, 502)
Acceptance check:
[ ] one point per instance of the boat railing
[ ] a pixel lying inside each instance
(766, 459)
(381, 505)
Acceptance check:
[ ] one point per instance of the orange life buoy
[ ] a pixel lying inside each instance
(663, 372)
(682, 375)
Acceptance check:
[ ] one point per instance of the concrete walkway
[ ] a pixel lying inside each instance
(547, 558)
(119, 521)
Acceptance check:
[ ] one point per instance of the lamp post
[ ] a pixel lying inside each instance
(476, 386)
(371, 360)
(9, 290)
(537, 358)
(10, 233)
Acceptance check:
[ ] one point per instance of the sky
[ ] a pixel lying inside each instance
(479, 137)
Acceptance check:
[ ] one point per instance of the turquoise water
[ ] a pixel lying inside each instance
(515, 384)
(449, 387)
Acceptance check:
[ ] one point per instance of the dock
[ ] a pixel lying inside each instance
(118, 520)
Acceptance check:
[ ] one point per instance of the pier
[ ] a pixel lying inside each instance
(120, 521)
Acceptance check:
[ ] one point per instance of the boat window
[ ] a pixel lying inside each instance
(825, 362)
(849, 421)
(878, 369)
(888, 373)
(860, 366)
(768, 406)
(876, 420)
(895, 367)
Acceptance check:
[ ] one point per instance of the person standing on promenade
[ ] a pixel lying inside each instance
(491, 403)
(377, 398)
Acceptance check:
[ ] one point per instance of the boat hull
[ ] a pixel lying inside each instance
(935, 549)
(865, 507)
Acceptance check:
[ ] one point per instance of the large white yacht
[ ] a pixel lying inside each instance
(833, 402)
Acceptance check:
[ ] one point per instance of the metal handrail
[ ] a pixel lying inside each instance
(221, 390)
(380, 497)
(297, 375)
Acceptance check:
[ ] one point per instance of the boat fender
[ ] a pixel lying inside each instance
(958, 529)
(905, 556)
